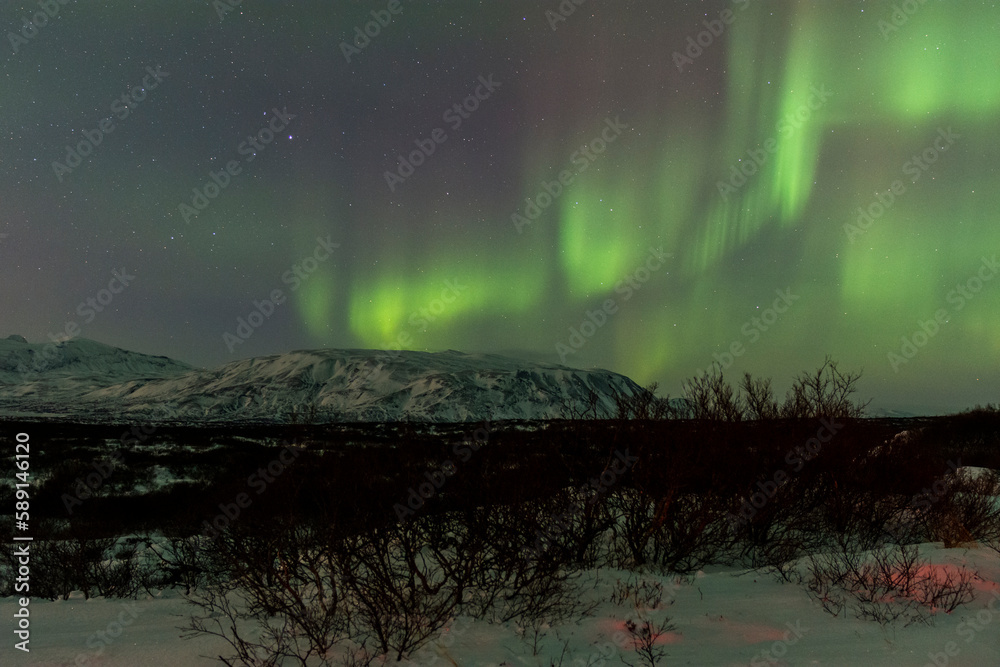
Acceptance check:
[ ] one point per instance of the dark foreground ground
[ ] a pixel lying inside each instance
(295, 543)
(122, 479)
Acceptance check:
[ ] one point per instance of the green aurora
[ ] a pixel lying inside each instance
(749, 166)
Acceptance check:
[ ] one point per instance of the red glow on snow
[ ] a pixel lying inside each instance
(750, 633)
(616, 628)
(755, 633)
(940, 572)
(944, 575)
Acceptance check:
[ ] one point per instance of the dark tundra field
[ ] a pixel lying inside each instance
(360, 543)
(110, 480)
(679, 480)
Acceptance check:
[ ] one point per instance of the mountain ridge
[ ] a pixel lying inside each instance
(82, 378)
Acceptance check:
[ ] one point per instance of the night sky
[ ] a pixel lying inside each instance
(646, 186)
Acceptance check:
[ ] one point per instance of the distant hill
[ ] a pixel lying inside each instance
(87, 380)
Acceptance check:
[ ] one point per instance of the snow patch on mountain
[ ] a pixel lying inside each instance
(86, 378)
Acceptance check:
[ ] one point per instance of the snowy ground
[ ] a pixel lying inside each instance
(721, 617)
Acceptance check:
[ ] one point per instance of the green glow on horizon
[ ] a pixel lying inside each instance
(478, 287)
(645, 344)
(891, 94)
(657, 186)
(887, 94)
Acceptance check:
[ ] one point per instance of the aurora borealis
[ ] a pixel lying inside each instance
(841, 152)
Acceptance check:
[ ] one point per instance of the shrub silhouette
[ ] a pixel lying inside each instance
(823, 393)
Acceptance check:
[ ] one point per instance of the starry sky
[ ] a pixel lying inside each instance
(648, 186)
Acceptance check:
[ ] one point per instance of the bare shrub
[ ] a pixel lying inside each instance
(969, 510)
(678, 531)
(823, 393)
(398, 594)
(946, 526)
(642, 594)
(646, 634)
(946, 593)
(886, 584)
(758, 399)
(632, 510)
(779, 557)
(277, 598)
(277, 594)
(584, 521)
(689, 531)
(482, 550)
(826, 582)
(179, 561)
(644, 405)
(862, 517)
(709, 396)
(93, 566)
(783, 530)
(407, 580)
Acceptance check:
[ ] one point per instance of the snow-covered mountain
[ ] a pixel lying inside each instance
(889, 413)
(87, 380)
(51, 378)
